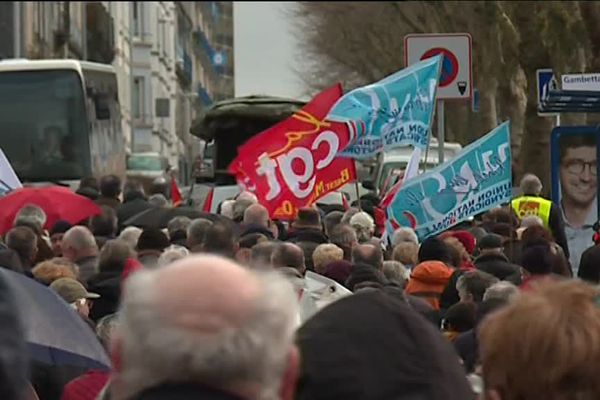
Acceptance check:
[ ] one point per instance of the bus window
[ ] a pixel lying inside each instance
(44, 125)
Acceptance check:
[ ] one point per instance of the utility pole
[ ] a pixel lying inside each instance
(17, 29)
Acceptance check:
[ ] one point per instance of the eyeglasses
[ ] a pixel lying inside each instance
(578, 166)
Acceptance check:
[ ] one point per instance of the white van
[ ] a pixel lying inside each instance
(392, 163)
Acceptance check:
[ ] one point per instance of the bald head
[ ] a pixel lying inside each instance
(289, 255)
(190, 321)
(368, 254)
(256, 214)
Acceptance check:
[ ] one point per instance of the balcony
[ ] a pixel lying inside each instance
(203, 96)
(184, 65)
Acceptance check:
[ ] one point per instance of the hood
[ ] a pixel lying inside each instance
(343, 357)
(432, 272)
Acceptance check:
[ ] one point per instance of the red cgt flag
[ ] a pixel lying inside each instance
(176, 197)
(294, 163)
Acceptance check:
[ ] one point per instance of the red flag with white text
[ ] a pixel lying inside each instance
(294, 163)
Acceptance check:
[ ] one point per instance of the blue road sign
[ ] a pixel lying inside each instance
(546, 81)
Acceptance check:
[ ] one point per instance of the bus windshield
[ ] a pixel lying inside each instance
(144, 163)
(44, 124)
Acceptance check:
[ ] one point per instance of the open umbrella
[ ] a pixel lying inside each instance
(58, 203)
(55, 334)
(159, 217)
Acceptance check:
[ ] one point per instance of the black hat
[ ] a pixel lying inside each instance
(434, 249)
(153, 239)
(491, 241)
(371, 346)
(60, 227)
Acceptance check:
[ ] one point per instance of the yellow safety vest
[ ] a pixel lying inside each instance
(529, 205)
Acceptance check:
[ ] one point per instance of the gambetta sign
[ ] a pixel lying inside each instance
(294, 163)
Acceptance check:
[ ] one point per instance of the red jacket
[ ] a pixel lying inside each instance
(86, 387)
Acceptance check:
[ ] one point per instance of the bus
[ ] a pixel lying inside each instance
(60, 120)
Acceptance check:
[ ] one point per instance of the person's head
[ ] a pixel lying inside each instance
(31, 216)
(345, 357)
(56, 234)
(246, 195)
(345, 238)
(131, 235)
(537, 259)
(239, 208)
(261, 254)
(220, 240)
(105, 223)
(406, 253)
(289, 255)
(308, 218)
(368, 254)
(502, 290)
(245, 245)
(89, 182)
(74, 294)
(159, 186)
(404, 234)
(460, 317)
(113, 255)
(578, 169)
(544, 345)
(531, 220)
(152, 239)
(395, 273)
(236, 335)
(258, 215)
(507, 231)
(196, 232)
(365, 276)
(47, 272)
(133, 190)
(110, 186)
(331, 220)
(227, 208)
(105, 329)
(491, 244)
(172, 254)
(535, 234)
(24, 242)
(325, 254)
(349, 214)
(531, 185)
(339, 271)
(434, 249)
(471, 285)
(364, 226)
(158, 200)
(177, 225)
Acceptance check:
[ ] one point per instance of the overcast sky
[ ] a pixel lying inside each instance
(264, 47)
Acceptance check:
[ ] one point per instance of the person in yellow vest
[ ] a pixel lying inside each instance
(531, 203)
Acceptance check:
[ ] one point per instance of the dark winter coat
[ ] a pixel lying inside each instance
(498, 265)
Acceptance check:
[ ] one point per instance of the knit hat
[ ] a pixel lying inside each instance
(434, 249)
(465, 238)
(491, 241)
(308, 218)
(60, 226)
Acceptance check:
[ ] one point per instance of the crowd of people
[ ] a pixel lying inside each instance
(211, 308)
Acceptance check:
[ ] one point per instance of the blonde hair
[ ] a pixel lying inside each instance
(545, 345)
(49, 271)
(325, 254)
(406, 253)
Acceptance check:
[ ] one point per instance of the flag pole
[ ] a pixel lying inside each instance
(356, 185)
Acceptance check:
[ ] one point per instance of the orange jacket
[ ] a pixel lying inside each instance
(428, 281)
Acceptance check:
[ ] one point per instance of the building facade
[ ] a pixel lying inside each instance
(172, 60)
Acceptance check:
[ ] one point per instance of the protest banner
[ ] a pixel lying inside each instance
(477, 179)
(394, 112)
(8, 178)
(294, 163)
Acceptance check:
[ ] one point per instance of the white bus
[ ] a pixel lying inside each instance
(60, 120)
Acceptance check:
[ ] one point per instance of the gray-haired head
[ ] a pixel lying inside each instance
(256, 214)
(158, 200)
(23, 241)
(502, 290)
(78, 242)
(196, 232)
(396, 273)
(114, 254)
(364, 226)
(180, 223)
(531, 220)
(131, 234)
(237, 335)
(260, 256)
(404, 234)
(239, 208)
(172, 254)
(531, 185)
(105, 328)
(32, 216)
(349, 214)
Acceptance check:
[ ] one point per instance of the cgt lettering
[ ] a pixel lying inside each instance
(268, 166)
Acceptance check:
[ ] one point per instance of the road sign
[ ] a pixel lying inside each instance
(545, 81)
(582, 82)
(456, 79)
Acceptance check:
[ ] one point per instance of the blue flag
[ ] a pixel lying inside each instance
(477, 179)
(393, 112)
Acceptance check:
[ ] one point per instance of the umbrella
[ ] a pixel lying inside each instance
(55, 334)
(58, 203)
(319, 291)
(159, 217)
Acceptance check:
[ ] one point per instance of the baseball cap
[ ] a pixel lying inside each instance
(491, 241)
(71, 290)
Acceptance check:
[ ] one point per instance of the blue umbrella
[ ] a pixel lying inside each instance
(54, 332)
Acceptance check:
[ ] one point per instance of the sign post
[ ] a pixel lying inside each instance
(456, 77)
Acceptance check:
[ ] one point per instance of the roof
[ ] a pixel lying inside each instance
(36, 65)
(254, 113)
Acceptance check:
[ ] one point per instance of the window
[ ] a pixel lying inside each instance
(138, 19)
(138, 97)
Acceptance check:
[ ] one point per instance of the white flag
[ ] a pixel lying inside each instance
(8, 179)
